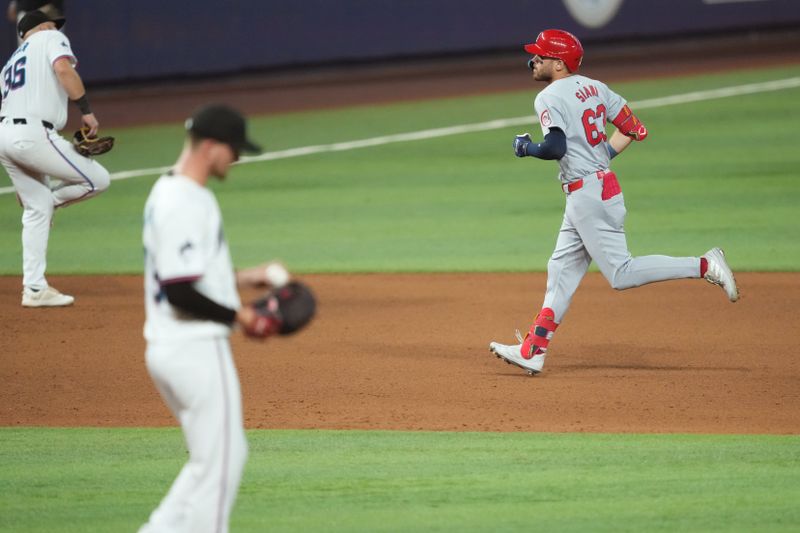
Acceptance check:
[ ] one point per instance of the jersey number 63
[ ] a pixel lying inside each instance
(594, 121)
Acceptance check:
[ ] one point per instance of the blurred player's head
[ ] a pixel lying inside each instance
(220, 133)
(36, 20)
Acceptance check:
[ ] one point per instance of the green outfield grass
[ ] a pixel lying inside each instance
(721, 172)
(82, 480)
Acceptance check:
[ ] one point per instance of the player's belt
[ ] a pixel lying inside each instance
(577, 184)
(48, 125)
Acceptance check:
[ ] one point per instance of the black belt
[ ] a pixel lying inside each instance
(48, 125)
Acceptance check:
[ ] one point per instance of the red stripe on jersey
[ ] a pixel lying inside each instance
(74, 59)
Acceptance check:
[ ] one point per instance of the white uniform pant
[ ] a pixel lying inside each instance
(32, 154)
(198, 381)
(593, 229)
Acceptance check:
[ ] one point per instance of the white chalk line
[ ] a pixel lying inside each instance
(696, 96)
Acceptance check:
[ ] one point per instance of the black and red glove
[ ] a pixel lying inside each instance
(283, 310)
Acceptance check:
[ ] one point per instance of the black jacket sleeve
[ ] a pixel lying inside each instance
(553, 147)
(185, 297)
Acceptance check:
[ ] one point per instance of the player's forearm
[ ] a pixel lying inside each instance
(185, 297)
(553, 147)
(619, 142)
(272, 274)
(251, 277)
(629, 124)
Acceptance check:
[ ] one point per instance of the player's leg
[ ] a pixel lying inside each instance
(199, 383)
(37, 210)
(34, 195)
(601, 226)
(36, 199)
(231, 438)
(81, 177)
(164, 368)
(565, 270)
(204, 396)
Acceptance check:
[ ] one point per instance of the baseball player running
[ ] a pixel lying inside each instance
(36, 83)
(191, 305)
(572, 111)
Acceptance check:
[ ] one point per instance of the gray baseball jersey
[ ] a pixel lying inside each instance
(593, 225)
(594, 216)
(580, 107)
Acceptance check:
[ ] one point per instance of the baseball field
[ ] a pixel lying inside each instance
(662, 408)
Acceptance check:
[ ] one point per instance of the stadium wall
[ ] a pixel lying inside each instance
(122, 40)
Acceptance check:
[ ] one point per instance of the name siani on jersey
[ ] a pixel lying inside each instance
(586, 92)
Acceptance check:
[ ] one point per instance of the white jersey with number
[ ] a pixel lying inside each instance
(184, 241)
(30, 87)
(580, 107)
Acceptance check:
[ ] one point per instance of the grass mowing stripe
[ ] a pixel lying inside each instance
(463, 202)
(103, 479)
(695, 96)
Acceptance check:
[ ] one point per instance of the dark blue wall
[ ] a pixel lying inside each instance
(118, 40)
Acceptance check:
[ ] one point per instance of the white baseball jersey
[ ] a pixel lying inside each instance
(580, 107)
(184, 240)
(29, 83)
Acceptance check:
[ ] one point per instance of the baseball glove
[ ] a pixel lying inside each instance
(284, 310)
(89, 146)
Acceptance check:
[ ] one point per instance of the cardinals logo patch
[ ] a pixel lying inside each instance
(545, 119)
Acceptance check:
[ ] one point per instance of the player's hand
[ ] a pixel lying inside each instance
(255, 324)
(521, 143)
(272, 274)
(90, 121)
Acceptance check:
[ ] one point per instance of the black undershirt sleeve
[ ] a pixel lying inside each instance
(185, 297)
(553, 147)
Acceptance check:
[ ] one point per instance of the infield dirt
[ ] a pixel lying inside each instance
(409, 352)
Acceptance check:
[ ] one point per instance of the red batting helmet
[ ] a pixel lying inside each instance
(559, 44)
